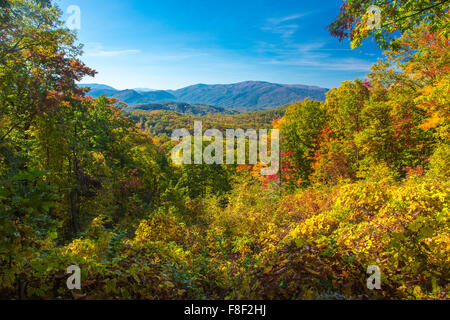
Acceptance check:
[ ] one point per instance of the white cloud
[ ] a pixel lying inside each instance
(326, 63)
(103, 53)
(315, 55)
(97, 50)
(279, 25)
(285, 31)
(276, 21)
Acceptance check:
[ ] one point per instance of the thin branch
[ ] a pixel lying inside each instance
(416, 13)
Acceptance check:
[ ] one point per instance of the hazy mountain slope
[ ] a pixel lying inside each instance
(132, 97)
(143, 89)
(248, 94)
(96, 86)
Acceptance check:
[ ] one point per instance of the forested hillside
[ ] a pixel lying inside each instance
(364, 179)
(161, 122)
(248, 94)
(193, 109)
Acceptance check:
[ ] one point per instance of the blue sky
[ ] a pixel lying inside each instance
(169, 44)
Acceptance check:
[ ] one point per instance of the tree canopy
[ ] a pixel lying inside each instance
(396, 17)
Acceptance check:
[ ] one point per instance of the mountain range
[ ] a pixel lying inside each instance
(248, 94)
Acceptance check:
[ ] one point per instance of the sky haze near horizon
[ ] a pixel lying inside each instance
(173, 43)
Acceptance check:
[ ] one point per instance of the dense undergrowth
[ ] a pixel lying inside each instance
(314, 243)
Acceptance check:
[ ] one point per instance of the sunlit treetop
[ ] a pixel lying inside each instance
(357, 19)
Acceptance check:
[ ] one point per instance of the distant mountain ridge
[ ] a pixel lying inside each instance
(248, 94)
(96, 86)
(143, 89)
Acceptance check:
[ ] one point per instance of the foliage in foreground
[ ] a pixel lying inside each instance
(307, 245)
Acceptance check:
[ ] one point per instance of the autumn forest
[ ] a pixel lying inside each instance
(364, 177)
